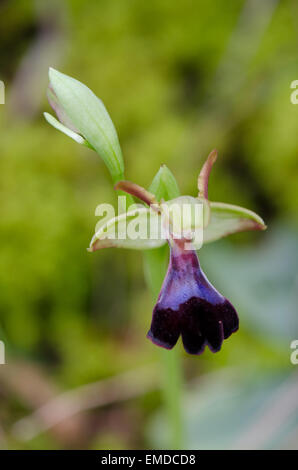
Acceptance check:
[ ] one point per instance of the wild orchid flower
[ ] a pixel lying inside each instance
(188, 304)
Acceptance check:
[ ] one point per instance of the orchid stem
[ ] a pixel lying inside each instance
(172, 393)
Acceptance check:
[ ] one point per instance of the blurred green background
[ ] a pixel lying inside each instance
(178, 78)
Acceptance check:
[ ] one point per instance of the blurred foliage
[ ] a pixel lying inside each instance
(178, 79)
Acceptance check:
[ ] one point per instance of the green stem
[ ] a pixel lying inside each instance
(155, 268)
(172, 393)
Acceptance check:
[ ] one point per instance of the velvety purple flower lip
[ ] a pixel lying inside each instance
(188, 305)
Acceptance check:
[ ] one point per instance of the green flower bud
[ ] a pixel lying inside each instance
(84, 118)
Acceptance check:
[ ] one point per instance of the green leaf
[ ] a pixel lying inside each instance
(89, 116)
(227, 219)
(164, 184)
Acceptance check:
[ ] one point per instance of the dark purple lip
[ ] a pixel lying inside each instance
(188, 305)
